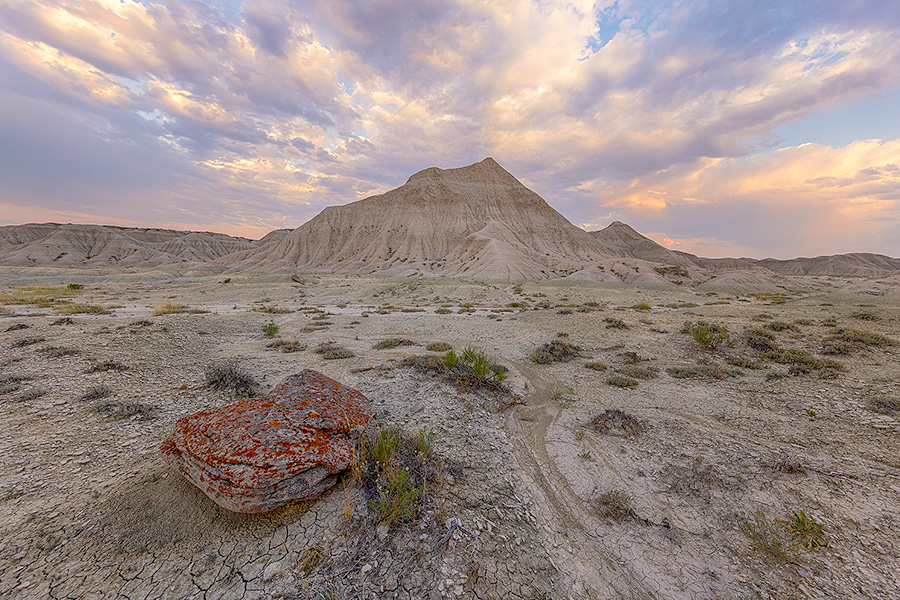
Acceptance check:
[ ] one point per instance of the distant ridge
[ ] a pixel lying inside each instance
(51, 244)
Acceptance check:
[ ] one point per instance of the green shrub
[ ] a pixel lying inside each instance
(451, 359)
(709, 335)
(639, 372)
(75, 286)
(331, 351)
(392, 343)
(809, 532)
(766, 537)
(270, 329)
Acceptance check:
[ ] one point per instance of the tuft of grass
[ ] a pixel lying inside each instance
(75, 286)
(640, 372)
(106, 365)
(615, 505)
(596, 366)
(32, 394)
(621, 382)
(443, 311)
(331, 351)
(229, 376)
(809, 532)
(77, 308)
(801, 360)
(615, 419)
(270, 329)
(866, 316)
(555, 351)
(708, 335)
(766, 537)
(643, 305)
(744, 363)
(392, 343)
(167, 307)
(438, 347)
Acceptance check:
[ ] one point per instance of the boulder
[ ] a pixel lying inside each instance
(261, 453)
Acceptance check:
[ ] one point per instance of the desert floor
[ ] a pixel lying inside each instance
(705, 478)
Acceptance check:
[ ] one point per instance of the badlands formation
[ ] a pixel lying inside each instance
(653, 424)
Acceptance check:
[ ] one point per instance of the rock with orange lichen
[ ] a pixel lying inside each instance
(261, 453)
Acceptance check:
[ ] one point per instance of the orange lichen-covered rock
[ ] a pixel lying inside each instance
(262, 453)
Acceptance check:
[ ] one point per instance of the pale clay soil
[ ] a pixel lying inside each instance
(89, 509)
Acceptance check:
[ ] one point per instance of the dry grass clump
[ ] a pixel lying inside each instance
(438, 347)
(801, 360)
(331, 351)
(615, 420)
(392, 343)
(167, 307)
(229, 376)
(613, 323)
(555, 351)
(286, 346)
(767, 537)
(760, 340)
(744, 363)
(640, 372)
(615, 505)
(18, 327)
(75, 308)
(32, 394)
(41, 296)
(596, 366)
(779, 326)
(11, 383)
(621, 382)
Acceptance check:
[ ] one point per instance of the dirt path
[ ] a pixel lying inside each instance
(577, 550)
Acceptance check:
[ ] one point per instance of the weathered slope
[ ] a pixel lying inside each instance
(97, 245)
(477, 220)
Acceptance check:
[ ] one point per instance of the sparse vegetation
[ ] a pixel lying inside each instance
(122, 409)
(228, 376)
(615, 505)
(438, 347)
(286, 346)
(596, 366)
(760, 340)
(75, 308)
(885, 405)
(54, 352)
(392, 343)
(270, 329)
(32, 394)
(708, 335)
(555, 351)
(809, 532)
(331, 351)
(766, 537)
(613, 323)
(861, 337)
(614, 419)
(620, 381)
(779, 326)
(640, 372)
(167, 307)
(702, 371)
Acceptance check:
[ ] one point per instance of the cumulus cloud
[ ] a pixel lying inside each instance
(262, 112)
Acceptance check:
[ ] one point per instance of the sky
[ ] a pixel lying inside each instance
(723, 128)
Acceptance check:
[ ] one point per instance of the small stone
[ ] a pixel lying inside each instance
(366, 568)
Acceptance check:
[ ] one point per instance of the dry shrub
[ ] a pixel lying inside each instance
(614, 420)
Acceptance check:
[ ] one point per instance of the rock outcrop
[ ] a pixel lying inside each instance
(261, 453)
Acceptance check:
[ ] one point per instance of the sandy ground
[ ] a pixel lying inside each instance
(88, 508)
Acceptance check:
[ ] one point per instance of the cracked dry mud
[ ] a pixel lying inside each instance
(88, 508)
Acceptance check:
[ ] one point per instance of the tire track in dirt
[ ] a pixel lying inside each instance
(580, 554)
